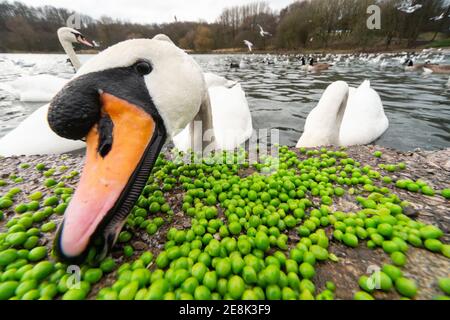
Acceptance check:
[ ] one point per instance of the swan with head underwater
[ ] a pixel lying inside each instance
(126, 102)
(43, 87)
(345, 116)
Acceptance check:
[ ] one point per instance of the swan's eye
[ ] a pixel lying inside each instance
(143, 67)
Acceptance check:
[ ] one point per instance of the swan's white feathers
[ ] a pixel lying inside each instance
(232, 120)
(172, 68)
(364, 119)
(34, 136)
(322, 124)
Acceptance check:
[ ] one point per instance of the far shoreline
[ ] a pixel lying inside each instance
(241, 51)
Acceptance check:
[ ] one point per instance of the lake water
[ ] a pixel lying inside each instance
(281, 95)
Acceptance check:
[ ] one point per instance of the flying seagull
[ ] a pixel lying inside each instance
(262, 32)
(408, 7)
(249, 45)
(438, 18)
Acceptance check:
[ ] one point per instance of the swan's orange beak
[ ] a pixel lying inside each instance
(121, 150)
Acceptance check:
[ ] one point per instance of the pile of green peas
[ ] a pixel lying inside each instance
(251, 237)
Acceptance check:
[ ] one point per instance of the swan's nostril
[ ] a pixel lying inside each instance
(105, 128)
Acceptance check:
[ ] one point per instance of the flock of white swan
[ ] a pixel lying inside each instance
(344, 116)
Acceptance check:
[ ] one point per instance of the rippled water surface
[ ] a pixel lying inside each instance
(281, 95)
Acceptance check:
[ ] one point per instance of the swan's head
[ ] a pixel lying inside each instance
(125, 102)
(71, 35)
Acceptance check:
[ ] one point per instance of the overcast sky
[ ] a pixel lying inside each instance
(149, 11)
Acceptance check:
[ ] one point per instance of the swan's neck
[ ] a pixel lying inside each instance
(68, 48)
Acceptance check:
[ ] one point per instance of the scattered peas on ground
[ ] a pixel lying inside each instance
(263, 235)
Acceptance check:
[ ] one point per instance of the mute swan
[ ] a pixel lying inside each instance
(229, 107)
(364, 118)
(42, 88)
(345, 116)
(232, 120)
(126, 102)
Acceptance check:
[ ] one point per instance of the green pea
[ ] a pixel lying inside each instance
(390, 247)
(75, 294)
(235, 228)
(273, 292)
(199, 270)
(361, 295)
(108, 265)
(37, 254)
(272, 274)
(262, 241)
(25, 287)
(381, 281)
(210, 280)
(399, 259)
(433, 245)
(289, 294)
(237, 264)
(93, 275)
(393, 272)
(50, 291)
(21, 208)
(42, 270)
(48, 227)
(350, 240)
(128, 251)
(444, 285)
(446, 193)
(446, 250)
(406, 287)
(17, 238)
(162, 260)
(129, 291)
(320, 253)
(236, 287)
(431, 232)
(7, 289)
(385, 230)
(202, 293)
(307, 270)
(223, 268)
(50, 202)
(33, 294)
(366, 284)
(125, 237)
(7, 257)
(5, 203)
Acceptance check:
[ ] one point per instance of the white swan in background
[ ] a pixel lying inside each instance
(364, 118)
(34, 137)
(345, 116)
(42, 88)
(232, 120)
